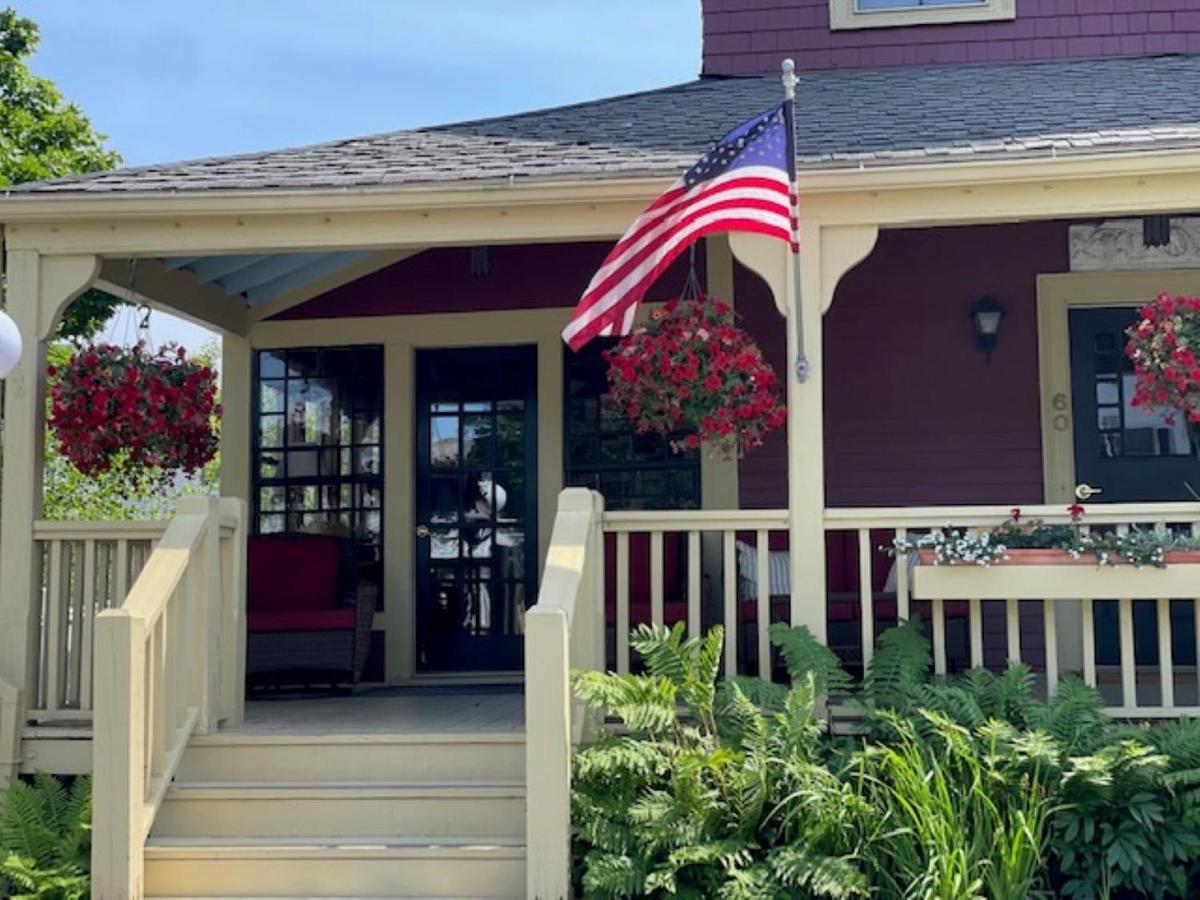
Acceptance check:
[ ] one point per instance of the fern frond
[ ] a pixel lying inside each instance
(900, 663)
(645, 703)
(803, 654)
(802, 867)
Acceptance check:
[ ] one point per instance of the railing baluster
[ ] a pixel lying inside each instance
(937, 611)
(1128, 664)
(656, 577)
(902, 610)
(764, 602)
(622, 576)
(1166, 660)
(1012, 615)
(866, 596)
(1196, 631)
(729, 571)
(73, 573)
(975, 627)
(1050, 630)
(121, 572)
(56, 631)
(694, 600)
(88, 622)
(158, 691)
(1087, 628)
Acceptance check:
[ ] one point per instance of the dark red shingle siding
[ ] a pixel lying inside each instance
(750, 37)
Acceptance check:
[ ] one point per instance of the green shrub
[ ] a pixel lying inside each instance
(964, 787)
(705, 798)
(45, 838)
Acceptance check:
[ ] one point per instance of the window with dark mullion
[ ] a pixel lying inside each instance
(603, 450)
(318, 444)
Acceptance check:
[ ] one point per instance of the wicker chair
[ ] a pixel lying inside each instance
(307, 616)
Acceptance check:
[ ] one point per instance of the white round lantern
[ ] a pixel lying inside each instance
(10, 344)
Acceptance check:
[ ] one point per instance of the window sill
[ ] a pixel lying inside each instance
(843, 16)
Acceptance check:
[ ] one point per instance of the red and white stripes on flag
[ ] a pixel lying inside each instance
(751, 198)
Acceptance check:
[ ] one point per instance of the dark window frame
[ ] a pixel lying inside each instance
(369, 545)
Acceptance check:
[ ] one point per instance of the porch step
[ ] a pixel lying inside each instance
(439, 758)
(334, 867)
(464, 809)
(254, 814)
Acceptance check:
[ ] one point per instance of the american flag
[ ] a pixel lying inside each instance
(744, 183)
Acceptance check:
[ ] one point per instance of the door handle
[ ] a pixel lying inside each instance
(422, 531)
(1086, 492)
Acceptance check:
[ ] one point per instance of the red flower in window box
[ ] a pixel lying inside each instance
(692, 369)
(128, 409)
(1163, 346)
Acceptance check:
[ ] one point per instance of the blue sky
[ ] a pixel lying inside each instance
(180, 79)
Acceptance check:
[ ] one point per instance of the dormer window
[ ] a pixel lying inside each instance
(844, 14)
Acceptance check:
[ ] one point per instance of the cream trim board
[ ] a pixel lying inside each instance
(846, 14)
(1056, 296)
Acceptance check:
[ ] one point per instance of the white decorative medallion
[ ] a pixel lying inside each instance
(1116, 245)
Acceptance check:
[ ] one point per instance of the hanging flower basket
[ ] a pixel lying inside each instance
(1165, 349)
(692, 369)
(130, 408)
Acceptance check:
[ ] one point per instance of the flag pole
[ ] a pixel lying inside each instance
(789, 80)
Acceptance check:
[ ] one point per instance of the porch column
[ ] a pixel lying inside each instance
(806, 440)
(236, 385)
(38, 289)
(827, 253)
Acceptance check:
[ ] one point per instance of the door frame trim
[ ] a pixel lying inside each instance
(1057, 295)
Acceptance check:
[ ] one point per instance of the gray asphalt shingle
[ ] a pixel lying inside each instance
(888, 116)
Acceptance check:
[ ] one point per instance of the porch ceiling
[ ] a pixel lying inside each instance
(260, 278)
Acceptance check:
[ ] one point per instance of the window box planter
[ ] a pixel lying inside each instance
(1056, 575)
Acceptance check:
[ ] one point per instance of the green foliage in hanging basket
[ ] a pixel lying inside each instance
(693, 369)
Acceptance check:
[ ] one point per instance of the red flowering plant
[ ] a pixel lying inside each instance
(131, 408)
(1165, 349)
(693, 369)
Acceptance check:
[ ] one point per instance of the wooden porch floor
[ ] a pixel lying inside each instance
(390, 710)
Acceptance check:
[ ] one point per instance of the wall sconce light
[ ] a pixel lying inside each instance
(985, 316)
(1156, 231)
(481, 262)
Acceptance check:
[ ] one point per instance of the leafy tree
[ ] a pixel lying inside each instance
(44, 136)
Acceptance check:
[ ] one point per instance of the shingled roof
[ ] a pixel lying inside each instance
(925, 114)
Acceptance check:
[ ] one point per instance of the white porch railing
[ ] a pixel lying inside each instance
(86, 567)
(564, 631)
(1051, 610)
(168, 657)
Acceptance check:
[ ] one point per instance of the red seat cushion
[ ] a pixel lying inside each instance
(292, 573)
(339, 619)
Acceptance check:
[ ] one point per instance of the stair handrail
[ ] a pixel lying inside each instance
(563, 631)
(158, 663)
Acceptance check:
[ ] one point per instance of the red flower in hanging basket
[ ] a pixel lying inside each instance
(692, 369)
(1163, 347)
(132, 408)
